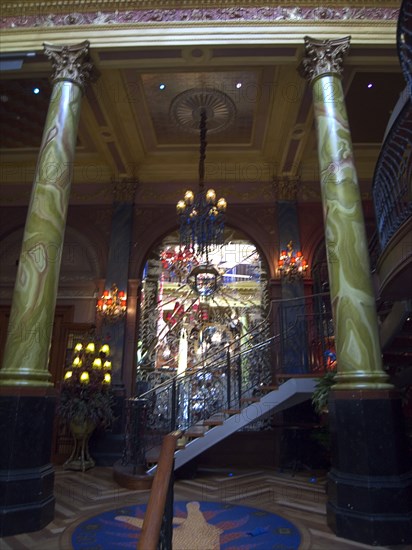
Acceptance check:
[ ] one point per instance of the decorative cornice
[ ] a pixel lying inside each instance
(70, 63)
(324, 57)
(19, 7)
(78, 14)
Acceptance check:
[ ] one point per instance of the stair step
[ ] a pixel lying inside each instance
(269, 387)
(250, 399)
(214, 421)
(198, 431)
(231, 411)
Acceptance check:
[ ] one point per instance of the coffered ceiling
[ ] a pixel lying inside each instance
(128, 128)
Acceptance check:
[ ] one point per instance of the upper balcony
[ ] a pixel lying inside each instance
(392, 185)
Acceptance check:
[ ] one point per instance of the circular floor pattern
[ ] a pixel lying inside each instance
(196, 526)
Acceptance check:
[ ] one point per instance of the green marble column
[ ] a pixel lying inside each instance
(31, 320)
(353, 300)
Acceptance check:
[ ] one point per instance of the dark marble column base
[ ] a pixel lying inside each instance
(29, 499)
(372, 510)
(26, 474)
(370, 483)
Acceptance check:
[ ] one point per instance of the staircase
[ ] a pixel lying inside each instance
(203, 435)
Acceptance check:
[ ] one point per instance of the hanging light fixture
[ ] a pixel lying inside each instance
(90, 364)
(292, 265)
(201, 214)
(112, 305)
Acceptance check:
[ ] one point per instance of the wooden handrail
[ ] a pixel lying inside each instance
(152, 522)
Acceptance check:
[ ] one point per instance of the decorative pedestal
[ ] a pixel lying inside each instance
(80, 458)
(370, 483)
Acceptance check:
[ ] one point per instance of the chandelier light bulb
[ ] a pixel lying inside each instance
(211, 196)
(78, 347)
(77, 362)
(180, 207)
(221, 204)
(189, 197)
(97, 363)
(105, 349)
(90, 348)
(107, 365)
(84, 377)
(68, 374)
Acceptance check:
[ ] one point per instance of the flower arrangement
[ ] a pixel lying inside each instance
(86, 395)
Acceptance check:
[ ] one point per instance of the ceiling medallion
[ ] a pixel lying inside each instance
(186, 109)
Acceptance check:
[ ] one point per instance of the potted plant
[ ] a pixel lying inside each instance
(86, 399)
(320, 396)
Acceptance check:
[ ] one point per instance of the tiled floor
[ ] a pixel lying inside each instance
(297, 498)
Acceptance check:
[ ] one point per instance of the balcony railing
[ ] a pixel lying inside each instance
(391, 190)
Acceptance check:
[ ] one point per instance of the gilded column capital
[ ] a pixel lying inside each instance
(70, 63)
(324, 57)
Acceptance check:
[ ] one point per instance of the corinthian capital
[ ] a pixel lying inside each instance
(70, 63)
(324, 57)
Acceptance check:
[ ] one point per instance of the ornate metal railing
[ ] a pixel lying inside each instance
(404, 41)
(231, 377)
(391, 190)
(189, 398)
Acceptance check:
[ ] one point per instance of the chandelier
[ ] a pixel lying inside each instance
(201, 215)
(292, 265)
(113, 304)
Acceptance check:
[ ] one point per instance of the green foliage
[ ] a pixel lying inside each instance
(320, 395)
(80, 402)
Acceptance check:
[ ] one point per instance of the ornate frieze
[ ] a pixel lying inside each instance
(59, 14)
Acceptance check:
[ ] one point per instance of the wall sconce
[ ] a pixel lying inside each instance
(112, 305)
(292, 265)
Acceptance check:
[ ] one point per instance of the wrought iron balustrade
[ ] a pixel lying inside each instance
(392, 182)
(225, 383)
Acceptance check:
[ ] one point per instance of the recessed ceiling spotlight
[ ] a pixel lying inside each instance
(238, 85)
(36, 90)
(370, 85)
(162, 86)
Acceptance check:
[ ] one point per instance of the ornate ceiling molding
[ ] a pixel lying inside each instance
(122, 12)
(186, 108)
(36, 7)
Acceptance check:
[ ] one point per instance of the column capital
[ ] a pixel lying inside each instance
(70, 63)
(125, 190)
(286, 188)
(324, 57)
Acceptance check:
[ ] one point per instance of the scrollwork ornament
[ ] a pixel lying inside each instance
(70, 63)
(324, 57)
